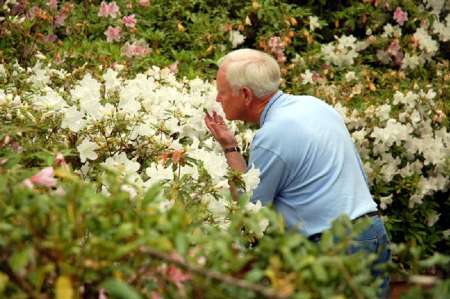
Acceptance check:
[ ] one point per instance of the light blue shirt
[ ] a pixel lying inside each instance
(310, 169)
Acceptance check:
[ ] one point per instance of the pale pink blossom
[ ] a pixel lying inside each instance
(42, 178)
(173, 68)
(400, 16)
(108, 9)
(60, 19)
(102, 294)
(27, 183)
(138, 48)
(129, 21)
(395, 51)
(113, 34)
(144, 3)
(177, 276)
(53, 4)
(59, 191)
(156, 295)
(276, 47)
(50, 38)
(60, 161)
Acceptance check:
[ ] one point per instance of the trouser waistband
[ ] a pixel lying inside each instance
(316, 237)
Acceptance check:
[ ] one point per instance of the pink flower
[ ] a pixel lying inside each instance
(50, 38)
(144, 3)
(177, 276)
(53, 4)
(276, 47)
(113, 34)
(156, 295)
(42, 178)
(400, 16)
(27, 183)
(173, 68)
(102, 294)
(60, 19)
(60, 161)
(129, 21)
(395, 51)
(108, 10)
(138, 48)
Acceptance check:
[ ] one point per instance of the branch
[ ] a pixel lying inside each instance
(20, 282)
(349, 280)
(265, 292)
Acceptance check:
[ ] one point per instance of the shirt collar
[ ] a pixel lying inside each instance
(272, 100)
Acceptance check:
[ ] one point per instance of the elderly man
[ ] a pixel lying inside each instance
(310, 169)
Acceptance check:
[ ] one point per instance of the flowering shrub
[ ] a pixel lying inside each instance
(150, 129)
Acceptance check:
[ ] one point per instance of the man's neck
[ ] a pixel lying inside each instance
(257, 108)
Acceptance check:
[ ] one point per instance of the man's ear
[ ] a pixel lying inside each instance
(248, 95)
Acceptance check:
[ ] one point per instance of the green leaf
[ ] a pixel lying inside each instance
(181, 243)
(255, 275)
(152, 193)
(319, 272)
(3, 281)
(119, 289)
(20, 259)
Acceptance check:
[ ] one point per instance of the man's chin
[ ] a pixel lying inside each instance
(228, 117)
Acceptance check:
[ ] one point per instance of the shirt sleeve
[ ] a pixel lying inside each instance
(273, 174)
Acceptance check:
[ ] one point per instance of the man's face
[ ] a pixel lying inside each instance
(232, 102)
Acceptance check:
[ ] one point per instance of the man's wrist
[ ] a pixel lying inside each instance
(231, 149)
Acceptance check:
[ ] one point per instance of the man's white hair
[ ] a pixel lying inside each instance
(253, 69)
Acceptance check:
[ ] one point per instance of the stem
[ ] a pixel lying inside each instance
(350, 282)
(20, 282)
(213, 275)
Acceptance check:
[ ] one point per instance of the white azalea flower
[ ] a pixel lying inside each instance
(253, 207)
(217, 207)
(343, 51)
(73, 119)
(443, 29)
(165, 205)
(50, 100)
(111, 81)
(2, 71)
(40, 76)
(2, 97)
(263, 225)
(120, 162)
(236, 38)
(411, 61)
(350, 76)
(214, 163)
(432, 218)
(129, 105)
(385, 201)
(87, 90)
(251, 179)
(157, 173)
(307, 77)
(426, 43)
(314, 23)
(87, 150)
(382, 112)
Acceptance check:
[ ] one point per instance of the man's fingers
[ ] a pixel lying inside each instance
(218, 119)
(210, 124)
